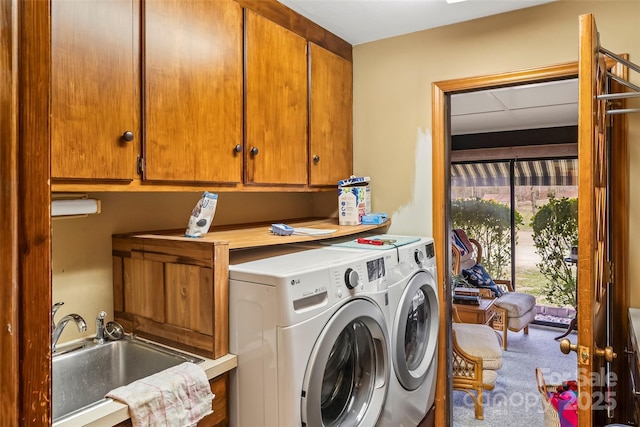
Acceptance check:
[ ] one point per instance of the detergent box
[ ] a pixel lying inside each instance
(354, 200)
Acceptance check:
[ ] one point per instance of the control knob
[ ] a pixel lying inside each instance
(418, 255)
(351, 278)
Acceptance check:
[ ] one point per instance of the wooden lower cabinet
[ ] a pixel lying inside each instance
(219, 418)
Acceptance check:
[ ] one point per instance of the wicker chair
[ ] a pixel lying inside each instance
(476, 358)
(514, 310)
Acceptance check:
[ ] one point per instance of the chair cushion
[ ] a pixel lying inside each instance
(517, 323)
(477, 276)
(516, 303)
(479, 341)
(489, 378)
(462, 243)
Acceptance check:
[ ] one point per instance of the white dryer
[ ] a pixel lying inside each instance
(310, 332)
(414, 309)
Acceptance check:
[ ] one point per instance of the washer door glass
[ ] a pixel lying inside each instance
(416, 335)
(346, 379)
(347, 384)
(416, 330)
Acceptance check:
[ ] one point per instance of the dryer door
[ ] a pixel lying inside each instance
(415, 330)
(346, 380)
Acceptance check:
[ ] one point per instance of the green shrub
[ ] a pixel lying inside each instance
(489, 223)
(555, 231)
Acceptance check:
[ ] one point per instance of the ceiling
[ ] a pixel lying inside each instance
(532, 106)
(520, 107)
(362, 21)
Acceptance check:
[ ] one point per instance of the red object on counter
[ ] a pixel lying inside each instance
(364, 241)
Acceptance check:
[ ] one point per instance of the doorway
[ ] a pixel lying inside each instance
(441, 100)
(441, 97)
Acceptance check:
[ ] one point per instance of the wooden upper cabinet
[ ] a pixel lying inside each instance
(276, 102)
(331, 122)
(94, 100)
(193, 91)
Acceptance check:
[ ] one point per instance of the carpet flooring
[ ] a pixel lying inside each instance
(515, 399)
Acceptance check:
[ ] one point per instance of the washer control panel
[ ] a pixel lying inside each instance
(371, 274)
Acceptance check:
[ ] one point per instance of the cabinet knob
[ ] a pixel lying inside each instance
(127, 136)
(237, 148)
(316, 159)
(254, 150)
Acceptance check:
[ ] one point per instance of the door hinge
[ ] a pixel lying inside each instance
(141, 164)
(608, 272)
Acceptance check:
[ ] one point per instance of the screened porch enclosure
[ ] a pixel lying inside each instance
(496, 202)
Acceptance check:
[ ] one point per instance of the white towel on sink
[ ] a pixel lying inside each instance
(176, 397)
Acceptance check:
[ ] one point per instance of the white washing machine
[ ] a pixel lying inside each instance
(414, 322)
(310, 332)
(413, 326)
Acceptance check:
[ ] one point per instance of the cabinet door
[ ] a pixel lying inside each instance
(193, 91)
(276, 103)
(94, 99)
(331, 124)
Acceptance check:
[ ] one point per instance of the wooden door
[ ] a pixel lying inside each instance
(94, 96)
(193, 91)
(276, 103)
(331, 118)
(594, 238)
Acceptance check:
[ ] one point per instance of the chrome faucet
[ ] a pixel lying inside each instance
(100, 328)
(57, 329)
(54, 310)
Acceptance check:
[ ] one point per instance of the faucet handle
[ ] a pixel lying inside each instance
(55, 308)
(100, 327)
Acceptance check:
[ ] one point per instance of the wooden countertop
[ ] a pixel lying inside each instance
(255, 235)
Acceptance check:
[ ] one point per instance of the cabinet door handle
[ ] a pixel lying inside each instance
(254, 151)
(127, 136)
(316, 159)
(237, 148)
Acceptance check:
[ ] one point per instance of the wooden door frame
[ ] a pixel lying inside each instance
(25, 221)
(442, 194)
(9, 340)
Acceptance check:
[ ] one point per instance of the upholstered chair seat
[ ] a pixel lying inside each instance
(514, 310)
(477, 357)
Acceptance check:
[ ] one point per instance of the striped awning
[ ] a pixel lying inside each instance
(526, 173)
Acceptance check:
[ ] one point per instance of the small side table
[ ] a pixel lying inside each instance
(480, 314)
